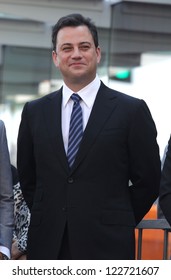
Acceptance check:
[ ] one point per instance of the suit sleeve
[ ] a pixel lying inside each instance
(145, 165)
(6, 193)
(25, 159)
(165, 185)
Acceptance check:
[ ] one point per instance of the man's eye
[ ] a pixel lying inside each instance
(67, 49)
(85, 47)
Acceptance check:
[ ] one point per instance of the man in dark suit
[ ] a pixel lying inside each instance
(165, 185)
(88, 210)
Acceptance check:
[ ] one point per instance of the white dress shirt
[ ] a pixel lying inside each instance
(5, 251)
(88, 95)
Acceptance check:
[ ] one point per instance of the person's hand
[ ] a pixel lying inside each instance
(16, 254)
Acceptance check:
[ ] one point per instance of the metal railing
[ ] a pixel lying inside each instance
(153, 224)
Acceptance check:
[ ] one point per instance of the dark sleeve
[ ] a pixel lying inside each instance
(145, 165)
(25, 159)
(165, 185)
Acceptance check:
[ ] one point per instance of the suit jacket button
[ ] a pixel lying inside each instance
(70, 180)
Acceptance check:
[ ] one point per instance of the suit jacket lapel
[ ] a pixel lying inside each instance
(104, 105)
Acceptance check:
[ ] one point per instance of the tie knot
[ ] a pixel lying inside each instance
(75, 97)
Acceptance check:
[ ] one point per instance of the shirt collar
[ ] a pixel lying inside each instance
(87, 94)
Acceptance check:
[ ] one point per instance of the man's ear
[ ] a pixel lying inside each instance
(98, 51)
(55, 59)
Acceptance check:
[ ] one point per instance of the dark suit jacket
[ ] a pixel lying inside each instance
(165, 186)
(94, 198)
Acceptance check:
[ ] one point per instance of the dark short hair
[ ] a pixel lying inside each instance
(74, 20)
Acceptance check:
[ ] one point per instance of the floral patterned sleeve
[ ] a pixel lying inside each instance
(22, 218)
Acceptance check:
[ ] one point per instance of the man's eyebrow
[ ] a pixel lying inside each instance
(85, 43)
(65, 44)
(81, 43)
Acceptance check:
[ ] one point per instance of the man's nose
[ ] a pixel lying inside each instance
(76, 52)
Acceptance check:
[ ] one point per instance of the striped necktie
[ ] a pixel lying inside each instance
(75, 129)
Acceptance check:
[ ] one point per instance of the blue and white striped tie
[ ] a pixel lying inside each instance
(75, 130)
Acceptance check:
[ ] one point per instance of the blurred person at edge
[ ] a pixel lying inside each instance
(165, 184)
(87, 211)
(21, 220)
(6, 197)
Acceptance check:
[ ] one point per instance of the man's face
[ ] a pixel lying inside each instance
(76, 55)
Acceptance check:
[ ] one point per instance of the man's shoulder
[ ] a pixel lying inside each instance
(43, 99)
(122, 97)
